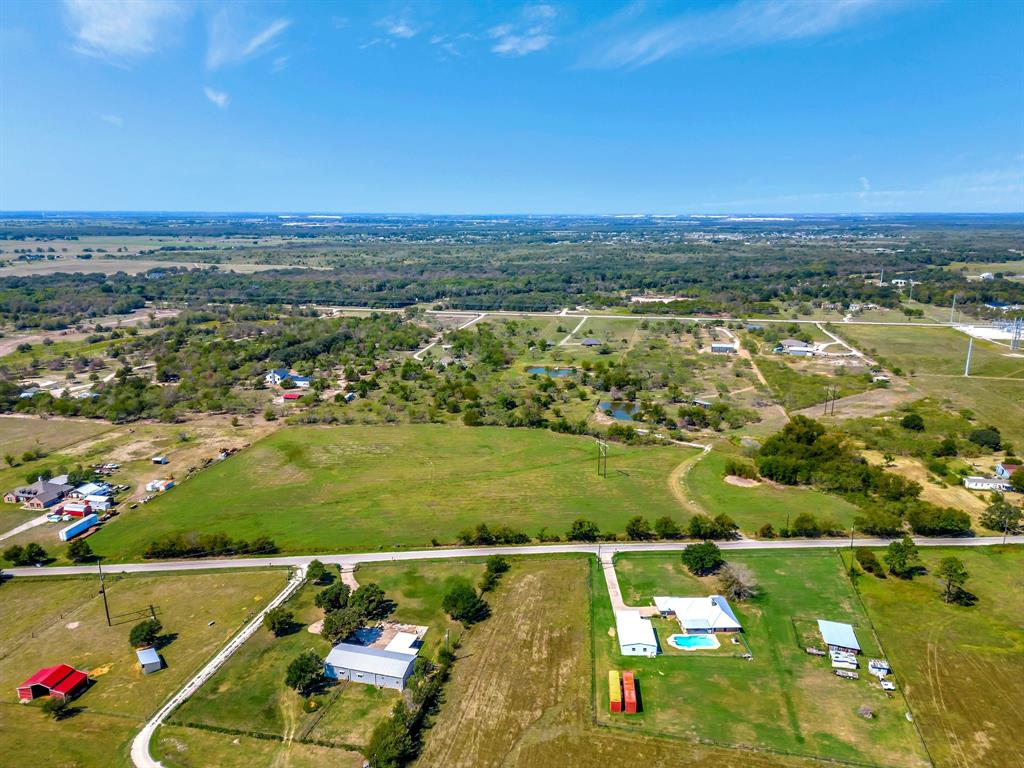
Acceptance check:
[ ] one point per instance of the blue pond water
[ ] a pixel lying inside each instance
(554, 373)
(621, 410)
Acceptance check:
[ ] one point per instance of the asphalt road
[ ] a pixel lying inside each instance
(351, 559)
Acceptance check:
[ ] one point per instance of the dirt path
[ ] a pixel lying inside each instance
(675, 481)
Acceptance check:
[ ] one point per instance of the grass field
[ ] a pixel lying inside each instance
(795, 387)
(521, 694)
(784, 699)
(932, 350)
(764, 503)
(178, 747)
(317, 489)
(19, 435)
(959, 666)
(247, 696)
(50, 621)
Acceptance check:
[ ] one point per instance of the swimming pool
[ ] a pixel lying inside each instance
(555, 373)
(693, 642)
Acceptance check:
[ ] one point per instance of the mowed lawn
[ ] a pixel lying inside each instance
(522, 696)
(764, 503)
(784, 699)
(50, 621)
(962, 668)
(248, 695)
(320, 489)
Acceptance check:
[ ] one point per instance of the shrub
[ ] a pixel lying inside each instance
(869, 562)
(721, 527)
(737, 583)
(930, 520)
(766, 531)
(946, 447)
(583, 530)
(667, 528)
(986, 437)
(638, 528)
(738, 468)
(913, 422)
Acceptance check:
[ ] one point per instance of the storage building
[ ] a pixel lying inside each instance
(976, 483)
(838, 636)
(635, 633)
(149, 660)
(373, 666)
(61, 681)
(723, 347)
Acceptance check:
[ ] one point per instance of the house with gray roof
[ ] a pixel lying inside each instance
(42, 494)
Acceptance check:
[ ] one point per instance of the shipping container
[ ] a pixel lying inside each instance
(83, 525)
(615, 690)
(629, 693)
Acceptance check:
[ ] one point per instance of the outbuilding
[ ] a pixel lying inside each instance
(976, 483)
(62, 681)
(149, 660)
(591, 342)
(636, 634)
(838, 636)
(373, 666)
(723, 347)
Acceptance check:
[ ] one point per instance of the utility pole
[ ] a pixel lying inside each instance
(952, 309)
(103, 591)
(967, 365)
(602, 458)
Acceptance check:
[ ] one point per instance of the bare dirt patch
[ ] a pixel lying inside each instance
(741, 482)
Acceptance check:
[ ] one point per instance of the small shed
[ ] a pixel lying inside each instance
(838, 636)
(149, 660)
(723, 347)
(591, 342)
(159, 459)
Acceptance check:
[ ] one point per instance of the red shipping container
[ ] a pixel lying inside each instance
(629, 693)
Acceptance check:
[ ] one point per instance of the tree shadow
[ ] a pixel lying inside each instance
(963, 598)
(291, 628)
(163, 641)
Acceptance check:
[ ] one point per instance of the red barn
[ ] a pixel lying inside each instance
(61, 681)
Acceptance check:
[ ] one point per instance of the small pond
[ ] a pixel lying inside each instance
(621, 409)
(555, 373)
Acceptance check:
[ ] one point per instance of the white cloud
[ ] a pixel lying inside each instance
(120, 30)
(445, 45)
(228, 44)
(741, 25)
(115, 120)
(219, 98)
(865, 186)
(530, 34)
(399, 26)
(280, 63)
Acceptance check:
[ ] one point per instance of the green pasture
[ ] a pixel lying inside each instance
(320, 489)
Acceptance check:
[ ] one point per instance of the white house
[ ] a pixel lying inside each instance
(635, 634)
(276, 375)
(976, 483)
(700, 614)
(723, 348)
(373, 666)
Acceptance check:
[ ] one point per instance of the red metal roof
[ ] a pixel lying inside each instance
(71, 683)
(48, 676)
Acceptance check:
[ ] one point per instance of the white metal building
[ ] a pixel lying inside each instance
(149, 660)
(838, 636)
(976, 483)
(373, 666)
(636, 634)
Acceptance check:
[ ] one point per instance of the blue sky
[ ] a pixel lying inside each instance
(781, 106)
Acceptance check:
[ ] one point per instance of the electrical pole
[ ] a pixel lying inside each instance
(103, 591)
(952, 309)
(967, 365)
(602, 458)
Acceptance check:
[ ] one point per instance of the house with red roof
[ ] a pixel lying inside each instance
(61, 681)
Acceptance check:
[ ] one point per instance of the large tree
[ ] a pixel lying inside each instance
(703, 558)
(463, 604)
(953, 574)
(278, 620)
(902, 558)
(340, 624)
(304, 672)
(79, 551)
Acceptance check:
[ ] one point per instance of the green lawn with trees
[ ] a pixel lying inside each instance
(784, 699)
